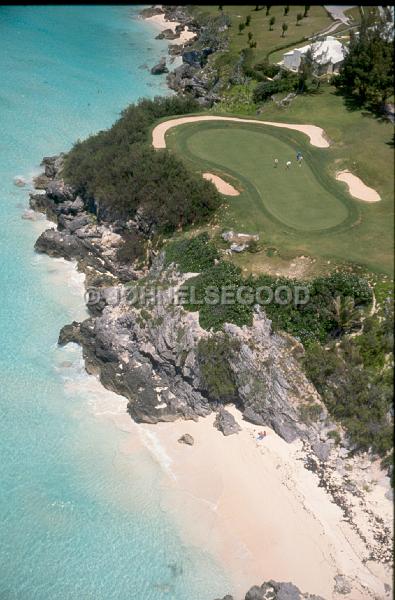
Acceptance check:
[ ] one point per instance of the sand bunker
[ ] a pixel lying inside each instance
(357, 188)
(222, 186)
(315, 134)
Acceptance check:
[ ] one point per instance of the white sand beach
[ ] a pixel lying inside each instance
(257, 509)
(160, 22)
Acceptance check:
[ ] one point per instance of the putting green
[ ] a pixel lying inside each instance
(302, 198)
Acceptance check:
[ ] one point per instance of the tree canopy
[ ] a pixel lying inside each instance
(367, 73)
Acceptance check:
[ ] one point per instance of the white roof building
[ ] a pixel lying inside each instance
(327, 54)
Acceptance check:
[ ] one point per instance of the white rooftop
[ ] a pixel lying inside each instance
(328, 50)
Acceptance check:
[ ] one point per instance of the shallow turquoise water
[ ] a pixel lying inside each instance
(79, 519)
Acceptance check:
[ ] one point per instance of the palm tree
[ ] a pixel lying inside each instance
(286, 10)
(345, 314)
(248, 20)
(284, 28)
(306, 10)
(271, 23)
(299, 17)
(241, 27)
(249, 36)
(267, 9)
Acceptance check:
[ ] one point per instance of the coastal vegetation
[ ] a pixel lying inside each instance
(348, 347)
(119, 172)
(192, 255)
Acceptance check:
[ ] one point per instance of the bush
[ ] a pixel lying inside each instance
(264, 90)
(193, 255)
(214, 315)
(213, 356)
(119, 172)
(131, 249)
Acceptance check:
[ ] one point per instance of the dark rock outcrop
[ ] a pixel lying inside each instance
(226, 423)
(167, 34)
(273, 590)
(160, 67)
(186, 439)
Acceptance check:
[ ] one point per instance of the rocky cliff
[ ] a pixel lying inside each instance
(148, 351)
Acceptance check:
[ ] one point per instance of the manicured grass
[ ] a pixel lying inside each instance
(304, 210)
(317, 20)
(294, 197)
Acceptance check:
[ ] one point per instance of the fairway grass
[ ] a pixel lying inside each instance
(301, 210)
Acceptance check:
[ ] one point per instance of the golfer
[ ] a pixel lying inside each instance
(275, 163)
(288, 164)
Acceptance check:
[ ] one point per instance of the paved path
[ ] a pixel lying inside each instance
(337, 12)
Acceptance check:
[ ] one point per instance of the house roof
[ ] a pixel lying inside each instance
(328, 50)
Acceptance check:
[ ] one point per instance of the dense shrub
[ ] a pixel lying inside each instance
(288, 82)
(334, 306)
(359, 397)
(120, 170)
(193, 255)
(131, 249)
(213, 356)
(213, 315)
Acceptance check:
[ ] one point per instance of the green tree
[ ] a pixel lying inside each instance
(299, 17)
(220, 7)
(306, 70)
(271, 23)
(268, 10)
(250, 36)
(241, 28)
(306, 10)
(345, 314)
(367, 73)
(286, 10)
(248, 20)
(284, 27)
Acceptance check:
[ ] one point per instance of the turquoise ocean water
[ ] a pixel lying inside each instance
(79, 518)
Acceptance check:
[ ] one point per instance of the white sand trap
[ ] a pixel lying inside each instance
(357, 188)
(222, 186)
(315, 134)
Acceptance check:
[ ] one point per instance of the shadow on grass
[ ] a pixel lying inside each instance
(353, 103)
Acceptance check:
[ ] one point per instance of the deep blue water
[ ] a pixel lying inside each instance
(79, 518)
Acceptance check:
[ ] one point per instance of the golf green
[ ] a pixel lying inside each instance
(297, 196)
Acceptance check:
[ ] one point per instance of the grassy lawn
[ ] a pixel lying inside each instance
(303, 210)
(268, 41)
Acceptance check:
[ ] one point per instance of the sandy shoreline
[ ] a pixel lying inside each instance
(161, 24)
(255, 507)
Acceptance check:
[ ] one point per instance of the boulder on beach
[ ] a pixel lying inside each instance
(186, 439)
(226, 423)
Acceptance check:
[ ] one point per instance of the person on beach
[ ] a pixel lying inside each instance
(288, 164)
